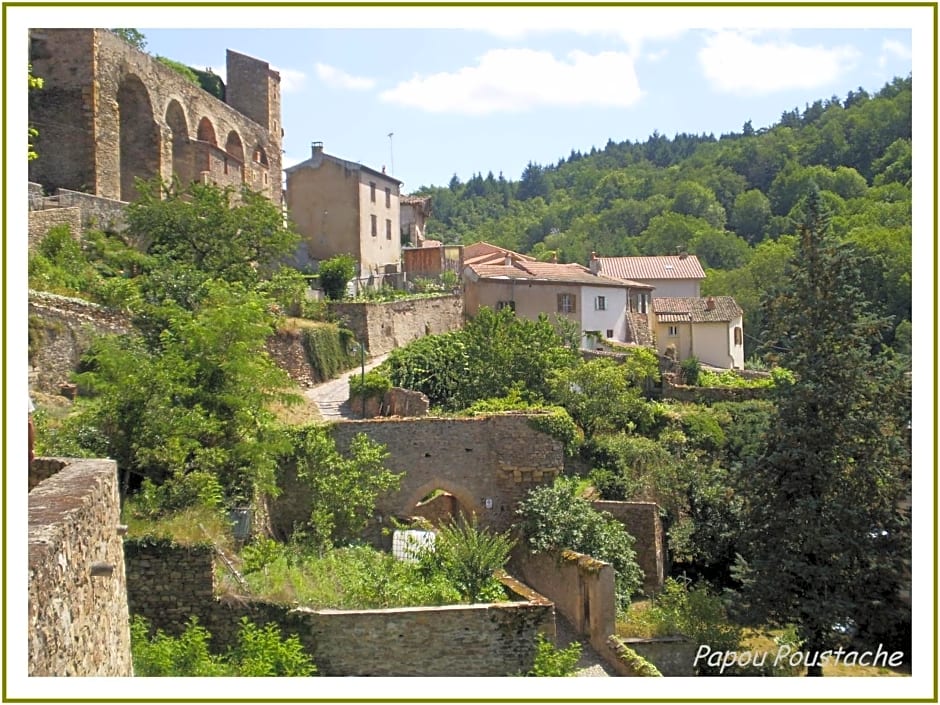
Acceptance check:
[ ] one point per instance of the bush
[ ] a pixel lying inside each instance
(552, 518)
(469, 558)
(260, 652)
(180, 491)
(328, 349)
(691, 368)
(551, 661)
(335, 274)
(373, 385)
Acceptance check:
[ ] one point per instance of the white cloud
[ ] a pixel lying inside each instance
(515, 80)
(891, 48)
(292, 80)
(735, 63)
(338, 78)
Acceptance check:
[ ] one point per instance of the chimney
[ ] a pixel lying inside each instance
(710, 303)
(317, 148)
(507, 260)
(683, 254)
(595, 264)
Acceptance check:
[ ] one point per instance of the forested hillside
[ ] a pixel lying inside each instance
(731, 200)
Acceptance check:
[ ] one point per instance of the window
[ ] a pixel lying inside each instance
(375, 226)
(388, 197)
(566, 303)
(388, 229)
(644, 299)
(372, 190)
(500, 305)
(610, 333)
(673, 331)
(738, 336)
(600, 303)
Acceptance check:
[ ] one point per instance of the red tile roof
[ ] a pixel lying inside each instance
(535, 271)
(681, 309)
(645, 268)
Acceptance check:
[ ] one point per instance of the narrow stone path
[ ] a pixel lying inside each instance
(332, 398)
(590, 664)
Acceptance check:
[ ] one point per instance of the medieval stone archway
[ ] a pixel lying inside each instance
(440, 499)
(206, 132)
(139, 142)
(182, 155)
(235, 149)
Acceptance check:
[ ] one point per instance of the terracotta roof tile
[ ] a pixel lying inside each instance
(663, 267)
(676, 309)
(545, 272)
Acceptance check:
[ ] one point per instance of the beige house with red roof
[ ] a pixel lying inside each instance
(709, 328)
(669, 275)
(605, 308)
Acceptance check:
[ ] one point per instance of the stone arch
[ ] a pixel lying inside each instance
(206, 132)
(182, 158)
(233, 146)
(467, 502)
(139, 141)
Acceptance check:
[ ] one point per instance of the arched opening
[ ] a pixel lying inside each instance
(139, 142)
(182, 161)
(438, 502)
(260, 156)
(233, 146)
(206, 132)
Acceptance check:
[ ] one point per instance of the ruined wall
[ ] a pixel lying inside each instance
(41, 222)
(61, 329)
(167, 584)
(286, 348)
(386, 326)
(642, 522)
(131, 116)
(78, 614)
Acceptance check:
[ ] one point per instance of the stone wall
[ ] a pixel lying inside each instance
(386, 326)
(395, 402)
(97, 212)
(78, 613)
(643, 523)
(64, 328)
(168, 584)
(286, 348)
(672, 655)
(41, 222)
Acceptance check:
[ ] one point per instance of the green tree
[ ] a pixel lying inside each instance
(237, 236)
(35, 82)
(826, 539)
(750, 215)
(335, 274)
(343, 488)
(469, 556)
(132, 36)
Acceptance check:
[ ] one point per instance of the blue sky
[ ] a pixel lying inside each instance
(462, 101)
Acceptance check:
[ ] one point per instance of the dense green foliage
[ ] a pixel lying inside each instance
(335, 273)
(826, 539)
(132, 36)
(260, 651)
(343, 489)
(180, 68)
(552, 662)
(329, 349)
(554, 518)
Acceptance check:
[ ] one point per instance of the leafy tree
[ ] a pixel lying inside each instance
(335, 274)
(750, 215)
(132, 36)
(198, 401)
(826, 539)
(554, 518)
(343, 489)
(238, 236)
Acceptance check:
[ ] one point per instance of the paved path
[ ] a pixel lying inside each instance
(332, 398)
(590, 664)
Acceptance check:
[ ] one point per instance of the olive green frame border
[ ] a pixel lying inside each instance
(433, 3)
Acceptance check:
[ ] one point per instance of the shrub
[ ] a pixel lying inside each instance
(180, 491)
(691, 368)
(552, 518)
(328, 349)
(335, 274)
(551, 661)
(469, 557)
(373, 385)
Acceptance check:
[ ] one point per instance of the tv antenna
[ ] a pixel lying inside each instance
(391, 153)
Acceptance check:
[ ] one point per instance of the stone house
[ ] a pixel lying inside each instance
(604, 308)
(108, 113)
(709, 328)
(669, 275)
(341, 207)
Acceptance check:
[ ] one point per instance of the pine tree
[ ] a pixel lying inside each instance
(827, 541)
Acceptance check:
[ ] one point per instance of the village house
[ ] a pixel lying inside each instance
(603, 307)
(708, 328)
(341, 207)
(669, 275)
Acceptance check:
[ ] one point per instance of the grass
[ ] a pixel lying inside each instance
(196, 525)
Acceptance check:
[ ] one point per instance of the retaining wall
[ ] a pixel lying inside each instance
(386, 326)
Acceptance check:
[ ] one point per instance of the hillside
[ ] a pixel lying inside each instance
(730, 200)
